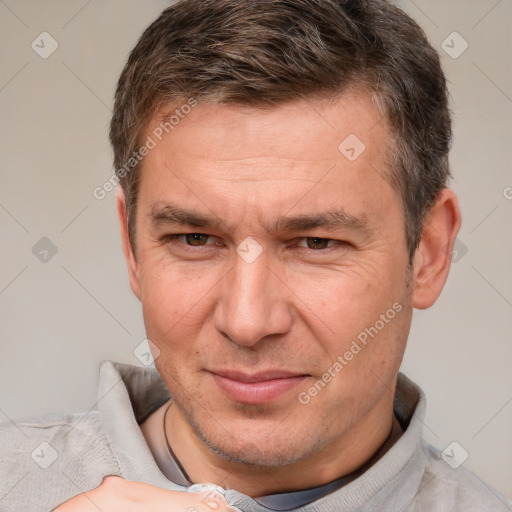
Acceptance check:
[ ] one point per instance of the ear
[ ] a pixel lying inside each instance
(131, 260)
(432, 258)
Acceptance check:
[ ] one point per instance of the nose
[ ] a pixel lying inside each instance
(254, 303)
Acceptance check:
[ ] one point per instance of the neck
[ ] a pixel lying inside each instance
(353, 449)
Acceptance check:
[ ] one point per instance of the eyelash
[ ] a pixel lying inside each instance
(173, 239)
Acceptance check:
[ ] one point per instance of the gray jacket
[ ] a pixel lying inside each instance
(47, 460)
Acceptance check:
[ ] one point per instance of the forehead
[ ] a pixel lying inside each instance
(306, 153)
(310, 126)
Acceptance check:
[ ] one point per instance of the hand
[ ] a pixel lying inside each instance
(117, 494)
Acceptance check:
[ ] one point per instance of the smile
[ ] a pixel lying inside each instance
(257, 389)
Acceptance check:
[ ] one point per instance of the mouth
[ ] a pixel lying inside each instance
(257, 388)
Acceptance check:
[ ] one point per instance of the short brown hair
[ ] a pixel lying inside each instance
(264, 53)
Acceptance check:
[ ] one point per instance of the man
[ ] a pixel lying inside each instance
(283, 208)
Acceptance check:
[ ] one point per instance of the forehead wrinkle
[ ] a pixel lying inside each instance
(338, 219)
(331, 220)
(162, 212)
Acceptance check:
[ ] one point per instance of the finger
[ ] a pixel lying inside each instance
(213, 498)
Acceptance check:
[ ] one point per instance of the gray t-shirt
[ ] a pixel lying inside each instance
(47, 460)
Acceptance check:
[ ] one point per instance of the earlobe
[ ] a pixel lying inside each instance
(432, 259)
(131, 260)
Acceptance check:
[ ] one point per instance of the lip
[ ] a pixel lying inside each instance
(257, 388)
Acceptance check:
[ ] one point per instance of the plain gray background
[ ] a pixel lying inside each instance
(62, 316)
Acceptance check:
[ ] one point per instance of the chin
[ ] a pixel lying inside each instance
(279, 447)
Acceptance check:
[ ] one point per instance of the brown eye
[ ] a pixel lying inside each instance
(189, 239)
(195, 238)
(317, 243)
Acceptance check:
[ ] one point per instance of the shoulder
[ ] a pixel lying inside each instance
(454, 488)
(64, 436)
(48, 459)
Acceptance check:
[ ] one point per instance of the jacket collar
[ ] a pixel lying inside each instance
(128, 394)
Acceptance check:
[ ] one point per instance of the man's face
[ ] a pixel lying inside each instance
(299, 251)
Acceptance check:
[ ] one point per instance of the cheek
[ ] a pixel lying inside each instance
(345, 301)
(174, 308)
(175, 302)
(360, 320)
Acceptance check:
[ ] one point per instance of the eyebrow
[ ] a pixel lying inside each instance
(330, 220)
